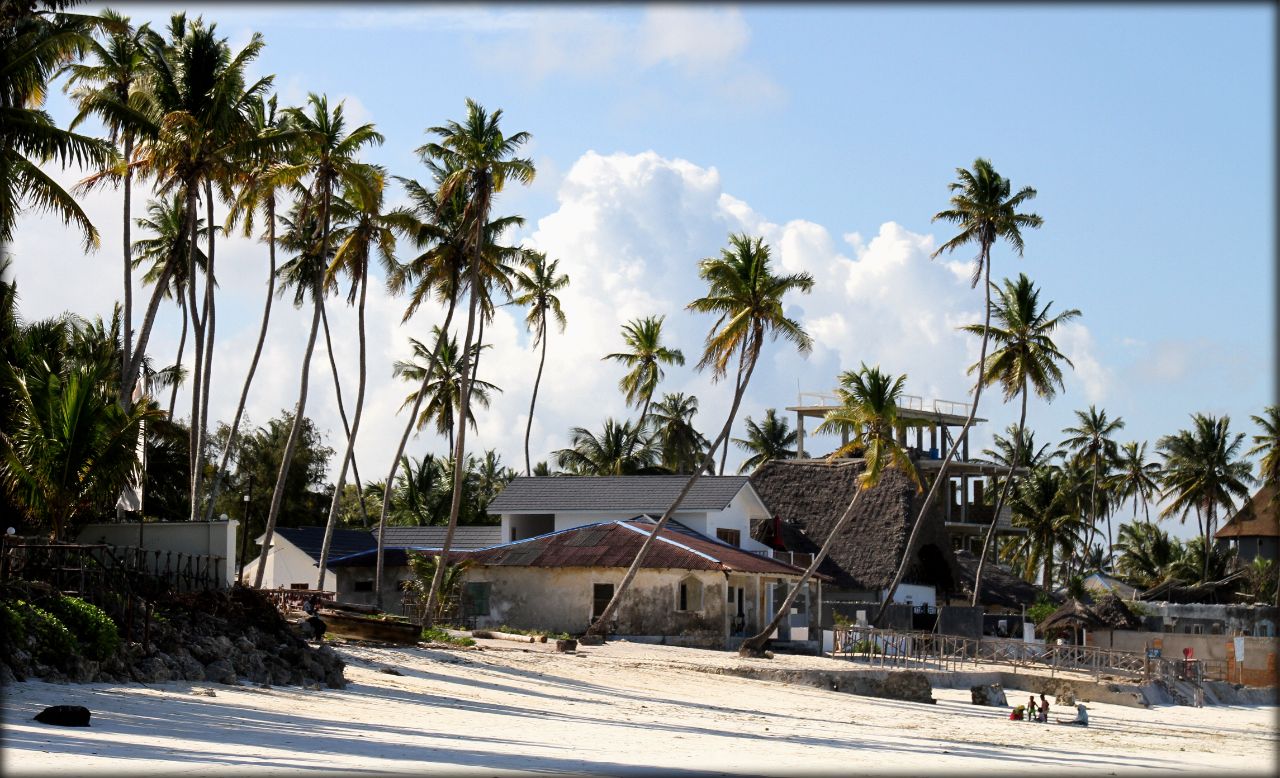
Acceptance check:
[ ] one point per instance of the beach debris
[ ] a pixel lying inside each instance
(495, 635)
(64, 716)
(566, 646)
(389, 671)
(988, 694)
(204, 693)
(591, 640)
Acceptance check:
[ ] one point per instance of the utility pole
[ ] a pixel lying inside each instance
(244, 537)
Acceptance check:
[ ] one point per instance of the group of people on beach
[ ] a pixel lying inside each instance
(1040, 713)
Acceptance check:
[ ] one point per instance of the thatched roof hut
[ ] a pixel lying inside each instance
(809, 496)
(1115, 614)
(999, 586)
(1073, 615)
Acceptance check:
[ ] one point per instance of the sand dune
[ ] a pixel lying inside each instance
(619, 709)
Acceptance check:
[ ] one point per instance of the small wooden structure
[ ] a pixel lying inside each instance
(1074, 614)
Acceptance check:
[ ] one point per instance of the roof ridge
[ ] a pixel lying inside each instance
(708, 557)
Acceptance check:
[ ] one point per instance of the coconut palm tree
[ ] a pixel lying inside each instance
(329, 154)
(621, 449)
(768, 440)
(1018, 449)
(645, 358)
(1040, 506)
(1267, 446)
(1147, 553)
(1025, 357)
(443, 383)
(985, 211)
(105, 84)
(537, 290)
(1136, 478)
(1203, 472)
(1092, 440)
(747, 300)
(679, 441)
(868, 413)
(166, 220)
(33, 46)
(479, 159)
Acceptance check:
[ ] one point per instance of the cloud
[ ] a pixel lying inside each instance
(691, 38)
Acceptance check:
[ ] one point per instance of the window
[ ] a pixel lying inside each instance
(362, 586)
(601, 594)
(730, 588)
(731, 536)
(475, 598)
(298, 586)
(689, 594)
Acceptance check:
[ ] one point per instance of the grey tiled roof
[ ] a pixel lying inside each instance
(344, 541)
(632, 493)
(433, 537)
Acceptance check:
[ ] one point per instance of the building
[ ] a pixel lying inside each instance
(722, 507)
(1254, 530)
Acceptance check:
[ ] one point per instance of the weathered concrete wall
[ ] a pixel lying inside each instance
(1260, 620)
(909, 685)
(206, 538)
(345, 580)
(560, 600)
(1258, 669)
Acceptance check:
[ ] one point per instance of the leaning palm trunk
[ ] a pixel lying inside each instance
(754, 645)
(1004, 494)
(349, 456)
(277, 496)
(528, 427)
(960, 439)
(600, 625)
(182, 344)
(127, 335)
(404, 439)
(342, 411)
(197, 332)
(460, 446)
(206, 372)
(253, 364)
(148, 321)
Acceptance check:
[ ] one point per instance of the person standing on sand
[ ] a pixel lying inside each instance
(1031, 708)
(1044, 710)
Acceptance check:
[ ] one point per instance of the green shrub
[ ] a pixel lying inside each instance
(13, 625)
(92, 628)
(54, 642)
(1041, 610)
(439, 635)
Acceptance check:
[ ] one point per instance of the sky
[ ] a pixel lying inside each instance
(831, 131)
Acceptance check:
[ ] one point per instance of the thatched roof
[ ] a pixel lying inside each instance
(1256, 518)
(999, 586)
(810, 496)
(1115, 614)
(1073, 613)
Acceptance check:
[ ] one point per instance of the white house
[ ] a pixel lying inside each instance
(721, 507)
(294, 557)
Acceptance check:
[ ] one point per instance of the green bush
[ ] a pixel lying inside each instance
(90, 625)
(1041, 610)
(13, 625)
(54, 642)
(439, 635)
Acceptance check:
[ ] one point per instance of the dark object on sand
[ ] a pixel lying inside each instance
(64, 716)
(317, 627)
(566, 646)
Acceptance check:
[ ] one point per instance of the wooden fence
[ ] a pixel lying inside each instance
(927, 650)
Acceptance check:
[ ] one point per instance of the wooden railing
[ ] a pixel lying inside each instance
(86, 568)
(287, 600)
(925, 650)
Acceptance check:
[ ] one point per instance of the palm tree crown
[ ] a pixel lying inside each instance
(982, 206)
(767, 440)
(646, 357)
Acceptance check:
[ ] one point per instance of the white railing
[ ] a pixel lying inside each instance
(951, 407)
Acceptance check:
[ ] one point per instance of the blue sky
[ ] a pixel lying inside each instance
(831, 130)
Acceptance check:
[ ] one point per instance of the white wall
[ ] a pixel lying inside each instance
(211, 538)
(915, 594)
(286, 565)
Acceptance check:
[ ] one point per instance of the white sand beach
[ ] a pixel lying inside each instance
(618, 709)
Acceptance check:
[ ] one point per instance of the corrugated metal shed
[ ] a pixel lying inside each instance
(607, 494)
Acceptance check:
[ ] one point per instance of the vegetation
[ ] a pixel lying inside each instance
(442, 635)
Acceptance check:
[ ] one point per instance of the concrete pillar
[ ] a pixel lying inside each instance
(799, 435)
(964, 497)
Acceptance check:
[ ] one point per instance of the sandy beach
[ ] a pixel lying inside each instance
(618, 709)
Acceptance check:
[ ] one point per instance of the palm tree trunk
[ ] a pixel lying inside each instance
(349, 456)
(736, 381)
(148, 321)
(206, 374)
(1208, 527)
(528, 428)
(197, 327)
(460, 446)
(1004, 494)
(342, 413)
(754, 645)
(253, 364)
(964, 431)
(126, 341)
(295, 432)
(600, 625)
(404, 439)
(182, 343)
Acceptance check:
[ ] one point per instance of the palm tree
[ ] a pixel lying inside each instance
(1092, 440)
(1025, 356)
(32, 49)
(679, 441)
(1195, 563)
(1203, 472)
(1147, 553)
(107, 87)
(985, 211)
(768, 440)
(367, 227)
(537, 290)
(1019, 450)
(1268, 447)
(256, 190)
(746, 298)
(646, 357)
(443, 383)
(167, 222)
(329, 160)
(1040, 506)
(1136, 478)
(868, 413)
(479, 159)
(621, 449)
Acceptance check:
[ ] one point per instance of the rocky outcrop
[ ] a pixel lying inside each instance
(988, 694)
